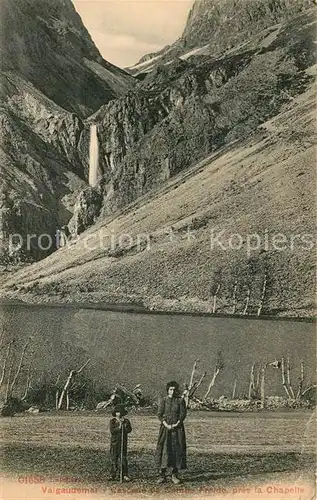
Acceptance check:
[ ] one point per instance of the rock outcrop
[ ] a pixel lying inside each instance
(86, 211)
(41, 168)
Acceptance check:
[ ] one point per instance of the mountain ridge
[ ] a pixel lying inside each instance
(216, 26)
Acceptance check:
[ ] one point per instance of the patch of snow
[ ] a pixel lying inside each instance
(145, 70)
(198, 50)
(144, 63)
(312, 23)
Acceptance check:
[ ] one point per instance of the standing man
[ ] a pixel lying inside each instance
(171, 444)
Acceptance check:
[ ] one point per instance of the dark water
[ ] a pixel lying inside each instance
(151, 349)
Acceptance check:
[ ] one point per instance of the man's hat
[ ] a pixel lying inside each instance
(119, 409)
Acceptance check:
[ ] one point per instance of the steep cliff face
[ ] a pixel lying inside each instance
(50, 48)
(52, 77)
(158, 129)
(182, 111)
(41, 169)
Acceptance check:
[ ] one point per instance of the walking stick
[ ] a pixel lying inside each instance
(121, 456)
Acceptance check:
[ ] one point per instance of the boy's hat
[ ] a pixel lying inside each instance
(119, 409)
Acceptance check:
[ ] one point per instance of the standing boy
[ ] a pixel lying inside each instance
(120, 427)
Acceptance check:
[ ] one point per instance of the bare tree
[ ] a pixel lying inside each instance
(284, 379)
(4, 366)
(215, 299)
(252, 382)
(219, 366)
(234, 297)
(189, 393)
(189, 386)
(262, 295)
(65, 388)
(57, 392)
(67, 400)
(7, 394)
(28, 381)
(68, 381)
(18, 370)
(234, 389)
(193, 373)
(313, 386)
(290, 388)
(247, 300)
(262, 385)
(256, 384)
(301, 381)
(197, 384)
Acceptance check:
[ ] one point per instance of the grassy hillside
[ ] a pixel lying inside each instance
(263, 184)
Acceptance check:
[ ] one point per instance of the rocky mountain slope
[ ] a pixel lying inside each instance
(227, 23)
(216, 26)
(50, 48)
(221, 139)
(181, 112)
(52, 77)
(168, 258)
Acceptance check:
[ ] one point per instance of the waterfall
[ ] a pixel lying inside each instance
(93, 156)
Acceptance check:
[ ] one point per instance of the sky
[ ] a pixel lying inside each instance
(125, 30)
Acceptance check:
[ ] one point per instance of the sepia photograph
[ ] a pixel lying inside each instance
(158, 249)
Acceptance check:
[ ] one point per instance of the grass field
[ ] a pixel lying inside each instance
(225, 451)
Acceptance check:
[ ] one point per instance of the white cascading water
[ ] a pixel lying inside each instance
(93, 156)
